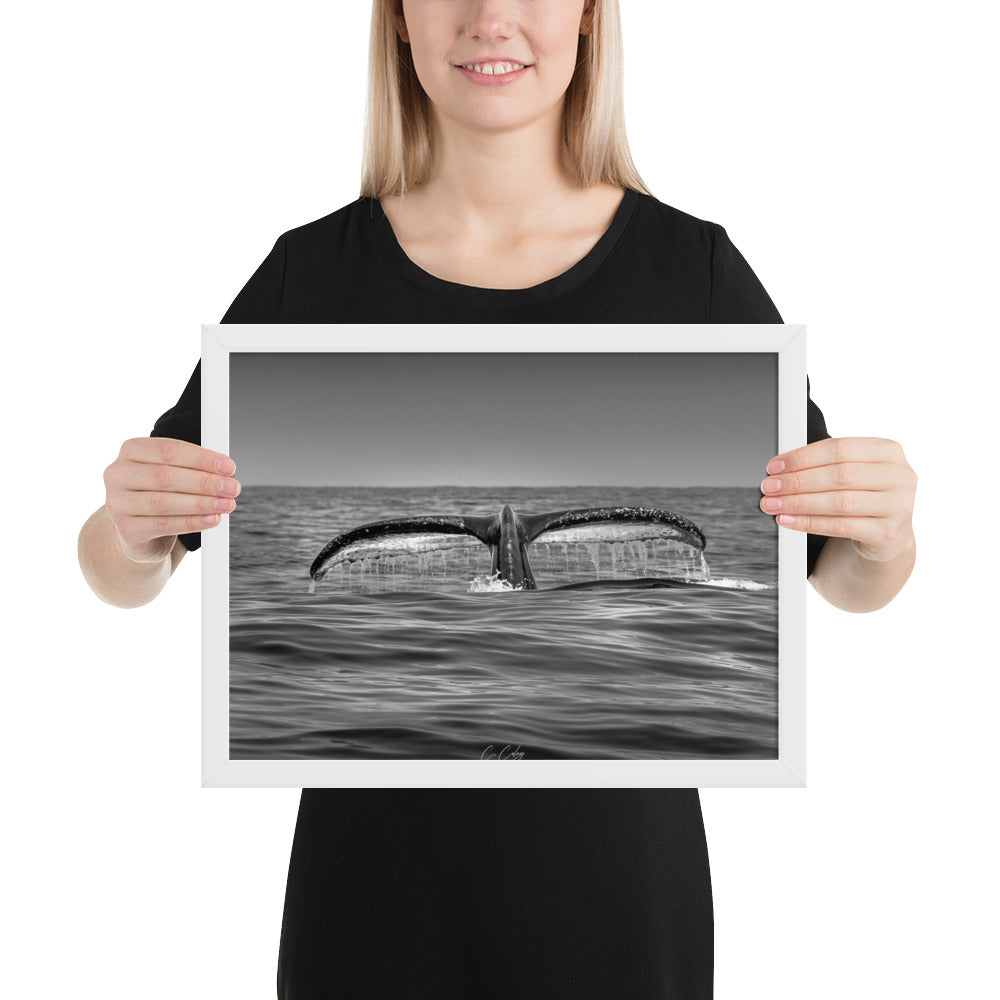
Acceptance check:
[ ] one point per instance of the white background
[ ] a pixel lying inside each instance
(155, 152)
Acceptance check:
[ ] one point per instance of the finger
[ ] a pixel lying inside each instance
(842, 503)
(140, 477)
(832, 451)
(828, 478)
(135, 531)
(864, 529)
(162, 504)
(172, 451)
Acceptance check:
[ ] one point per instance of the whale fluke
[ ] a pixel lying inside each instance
(568, 520)
(507, 534)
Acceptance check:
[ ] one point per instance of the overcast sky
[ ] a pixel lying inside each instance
(422, 419)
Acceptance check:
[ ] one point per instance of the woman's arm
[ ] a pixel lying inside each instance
(115, 577)
(859, 492)
(852, 582)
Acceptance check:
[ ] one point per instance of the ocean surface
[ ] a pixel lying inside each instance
(423, 656)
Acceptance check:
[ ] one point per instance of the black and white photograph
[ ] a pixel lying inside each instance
(350, 166)
(502, 556)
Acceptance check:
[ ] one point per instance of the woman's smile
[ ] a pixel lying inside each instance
(495, 44)
(493, 74)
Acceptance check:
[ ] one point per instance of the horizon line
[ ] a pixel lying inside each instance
(499, 486)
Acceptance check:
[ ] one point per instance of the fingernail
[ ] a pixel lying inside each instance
(772, 503)
(786, 519)
(228, 486)
(771, 485)
(775, 465)
(225, 466)
(210, 519)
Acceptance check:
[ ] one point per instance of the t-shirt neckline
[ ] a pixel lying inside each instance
(549, 289)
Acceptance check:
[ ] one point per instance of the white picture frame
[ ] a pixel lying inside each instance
(787, 342)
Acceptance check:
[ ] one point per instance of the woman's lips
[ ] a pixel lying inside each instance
(486, 80)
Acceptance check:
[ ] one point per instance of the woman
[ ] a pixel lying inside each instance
(498, 188)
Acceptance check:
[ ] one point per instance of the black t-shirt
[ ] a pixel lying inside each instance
(498, 893)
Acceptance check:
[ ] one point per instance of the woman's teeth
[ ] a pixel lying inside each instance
(494, 69)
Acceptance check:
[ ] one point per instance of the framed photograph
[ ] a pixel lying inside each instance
(527, 555)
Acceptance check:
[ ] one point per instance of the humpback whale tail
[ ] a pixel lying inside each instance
(507, 535)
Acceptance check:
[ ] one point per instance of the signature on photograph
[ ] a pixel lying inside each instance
(505, 753)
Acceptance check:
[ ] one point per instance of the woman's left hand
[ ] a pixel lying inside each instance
(852, 487)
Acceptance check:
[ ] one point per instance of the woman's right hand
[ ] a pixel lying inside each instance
(159, 488)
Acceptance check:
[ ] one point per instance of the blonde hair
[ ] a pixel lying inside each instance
(397, 141)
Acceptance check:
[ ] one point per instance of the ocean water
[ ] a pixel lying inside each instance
(423, 657)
